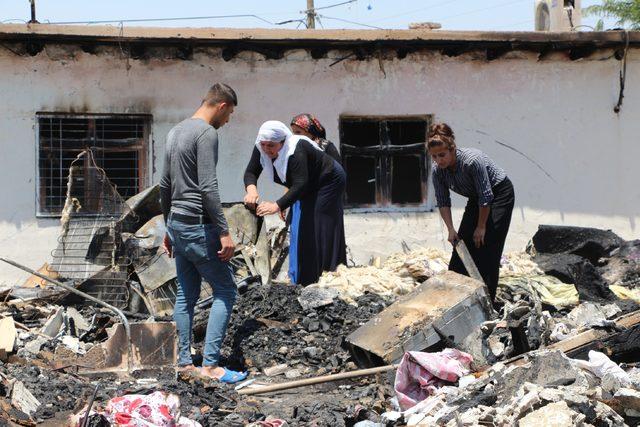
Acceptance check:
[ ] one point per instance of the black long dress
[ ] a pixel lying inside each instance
(317, 240)
(487, 257)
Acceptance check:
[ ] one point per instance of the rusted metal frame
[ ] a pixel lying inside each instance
(385, 163)
(87, 166)
(391, 149)
(71, 289)
(87, 115)
(379, 118)
(90, 142)
(41, 193)
(384, 173)
(383, 153)
(143, 161)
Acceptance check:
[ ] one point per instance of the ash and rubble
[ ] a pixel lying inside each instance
(269, 327)
(561, 349)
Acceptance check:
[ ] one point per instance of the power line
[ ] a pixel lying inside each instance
(290, 21)
(311, 11)
(415, 10)
(350, 22)
(482, 10)
(331, 5)
(188, 18)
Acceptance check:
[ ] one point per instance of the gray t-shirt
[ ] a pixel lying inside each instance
(189, 185)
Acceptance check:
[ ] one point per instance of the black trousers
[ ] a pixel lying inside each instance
(318, 228)
(487, 257)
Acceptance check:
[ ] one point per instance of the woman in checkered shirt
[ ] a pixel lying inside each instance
(487, 215)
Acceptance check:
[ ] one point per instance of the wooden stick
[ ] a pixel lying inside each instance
(317, 380)
(467, 260)
(570, 344)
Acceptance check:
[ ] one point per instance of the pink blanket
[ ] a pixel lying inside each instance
(420, 374)
(157, 409)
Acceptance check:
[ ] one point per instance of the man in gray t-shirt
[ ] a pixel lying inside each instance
(197, 231)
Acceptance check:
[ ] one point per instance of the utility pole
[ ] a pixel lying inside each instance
(33, 12)
(311, 15)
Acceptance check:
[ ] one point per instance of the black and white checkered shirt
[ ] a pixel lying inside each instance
(474, 177)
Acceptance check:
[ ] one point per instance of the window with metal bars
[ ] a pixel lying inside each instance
(119, 144)
(385, 161)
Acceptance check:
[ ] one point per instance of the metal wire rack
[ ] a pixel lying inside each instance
(90, 250)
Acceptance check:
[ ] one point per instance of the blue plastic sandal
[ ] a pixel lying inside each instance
(232, 377)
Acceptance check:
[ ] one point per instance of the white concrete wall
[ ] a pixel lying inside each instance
(557, 112)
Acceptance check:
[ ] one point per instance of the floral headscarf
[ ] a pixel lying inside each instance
(310, 124)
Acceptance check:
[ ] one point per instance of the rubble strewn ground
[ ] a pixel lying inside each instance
(562, 348)
(265, 319)
(269, 327)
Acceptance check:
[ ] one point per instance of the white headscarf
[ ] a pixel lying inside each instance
(275, 131)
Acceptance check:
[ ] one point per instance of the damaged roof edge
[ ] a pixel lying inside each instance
(425, 38)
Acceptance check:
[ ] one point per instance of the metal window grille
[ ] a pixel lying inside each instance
(119, 145)
(385, 161)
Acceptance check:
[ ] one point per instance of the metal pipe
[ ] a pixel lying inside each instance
(318, 380)
(85, 420)
(125, 322)
(33, 12)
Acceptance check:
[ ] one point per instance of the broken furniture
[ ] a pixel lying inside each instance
(139, 346)
(449, 304)
(112, 249)
(90, 247)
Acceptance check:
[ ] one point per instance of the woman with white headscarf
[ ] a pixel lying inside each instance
(317, 241)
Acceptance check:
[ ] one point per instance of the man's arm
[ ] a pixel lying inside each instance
(165, 195)
(165, 184)
(208, 180)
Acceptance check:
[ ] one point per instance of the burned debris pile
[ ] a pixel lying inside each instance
(89, 340)
(269, 328)
(570, 280)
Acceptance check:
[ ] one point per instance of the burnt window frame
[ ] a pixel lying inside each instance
(142, 148)
(383, 154)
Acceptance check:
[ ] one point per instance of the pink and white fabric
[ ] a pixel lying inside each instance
(157, 409)
(420, 374)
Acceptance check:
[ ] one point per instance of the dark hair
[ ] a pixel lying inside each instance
(220, 92)
(441, 134)
(310, 124)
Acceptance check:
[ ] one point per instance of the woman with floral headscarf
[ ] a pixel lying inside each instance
(315, 179)
(307, 125)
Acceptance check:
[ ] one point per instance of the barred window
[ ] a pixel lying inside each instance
(119, 144)
(385, 161)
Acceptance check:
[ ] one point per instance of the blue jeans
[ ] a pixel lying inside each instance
(195, 249)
